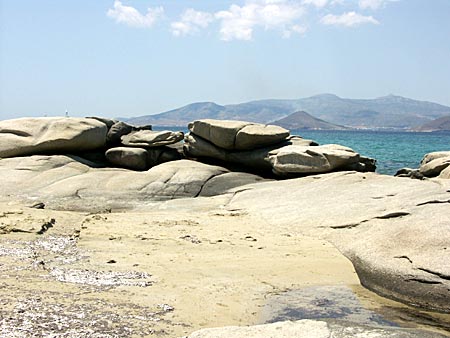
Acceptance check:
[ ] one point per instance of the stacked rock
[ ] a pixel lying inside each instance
(123, 145)
(261, 147)
(140, 148)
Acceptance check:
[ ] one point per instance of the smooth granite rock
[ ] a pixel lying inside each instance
(394, 231)
(238, 135)
(116, 131)
(306, 160)
(65, 182)
(445, 174)
(148, 138)
(434, 155)
(307, 328)
(28, 136)
(434, 167)
(256, 159)
(126, 157)
(109, 122)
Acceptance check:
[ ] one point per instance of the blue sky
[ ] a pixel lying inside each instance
(138, 57)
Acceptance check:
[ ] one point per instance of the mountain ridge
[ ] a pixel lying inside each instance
(385, 112)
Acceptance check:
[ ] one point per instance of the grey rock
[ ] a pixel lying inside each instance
(130, 158)
(238, 135)
(445, 174)
(109, 122)
(307, 328)
(409, 172)
(255, 160)
(27, 136)
(306, 160)
(394, 231)
(148, 138)
(116, 131)
(65, 182)
(219, 184)
(434, 155)
(434, 167)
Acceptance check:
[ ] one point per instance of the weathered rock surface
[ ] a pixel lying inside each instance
(306, 160)
(116, 131)
(27, 136)
(311, 329)
(238, 135)
(67, 182)
(434, 167)
(140, 158)
(394, 231)
(125, 157)
(148, 138)
(434, 155)
(445, 174)
(256, 159)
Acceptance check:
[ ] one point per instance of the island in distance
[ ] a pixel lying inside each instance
(384, 113)
(303, 121)
(440, 124)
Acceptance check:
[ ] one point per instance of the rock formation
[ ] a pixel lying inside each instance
(433, 164)
(268, 148)
(394, 231)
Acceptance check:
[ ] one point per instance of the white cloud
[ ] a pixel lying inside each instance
(349, 19)
(373, 4)
(191, 21)
(317, 3)
(131, 16)
(238, 22)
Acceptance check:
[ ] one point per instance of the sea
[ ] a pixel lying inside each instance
(393, 150)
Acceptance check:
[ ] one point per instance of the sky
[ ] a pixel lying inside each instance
(139, 57)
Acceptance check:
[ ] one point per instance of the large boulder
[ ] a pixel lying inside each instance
(292, 159)
(148, 138)
(238, 135)
(255, 160)
(28, 136)
(434, 155)
(308, 328)
(131, 158)
(434, 167)
(116, 131)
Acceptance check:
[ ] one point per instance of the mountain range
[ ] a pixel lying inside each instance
(387, 112)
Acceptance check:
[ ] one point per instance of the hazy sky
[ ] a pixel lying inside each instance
(138, 57)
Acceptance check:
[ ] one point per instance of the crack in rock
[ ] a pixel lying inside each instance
(433, 202)
(438, 274)
(393, 215)
(405, 257)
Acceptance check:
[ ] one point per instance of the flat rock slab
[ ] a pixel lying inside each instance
(238, 135)
(27, 136)
(311, 329)
(149, 138)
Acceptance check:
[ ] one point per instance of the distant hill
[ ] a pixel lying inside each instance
(302, 120)
(440, 124)
(394, 112)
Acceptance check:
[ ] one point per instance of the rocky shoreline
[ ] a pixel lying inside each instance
(196, 230)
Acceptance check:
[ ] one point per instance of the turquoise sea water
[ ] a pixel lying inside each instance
(392, 150)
